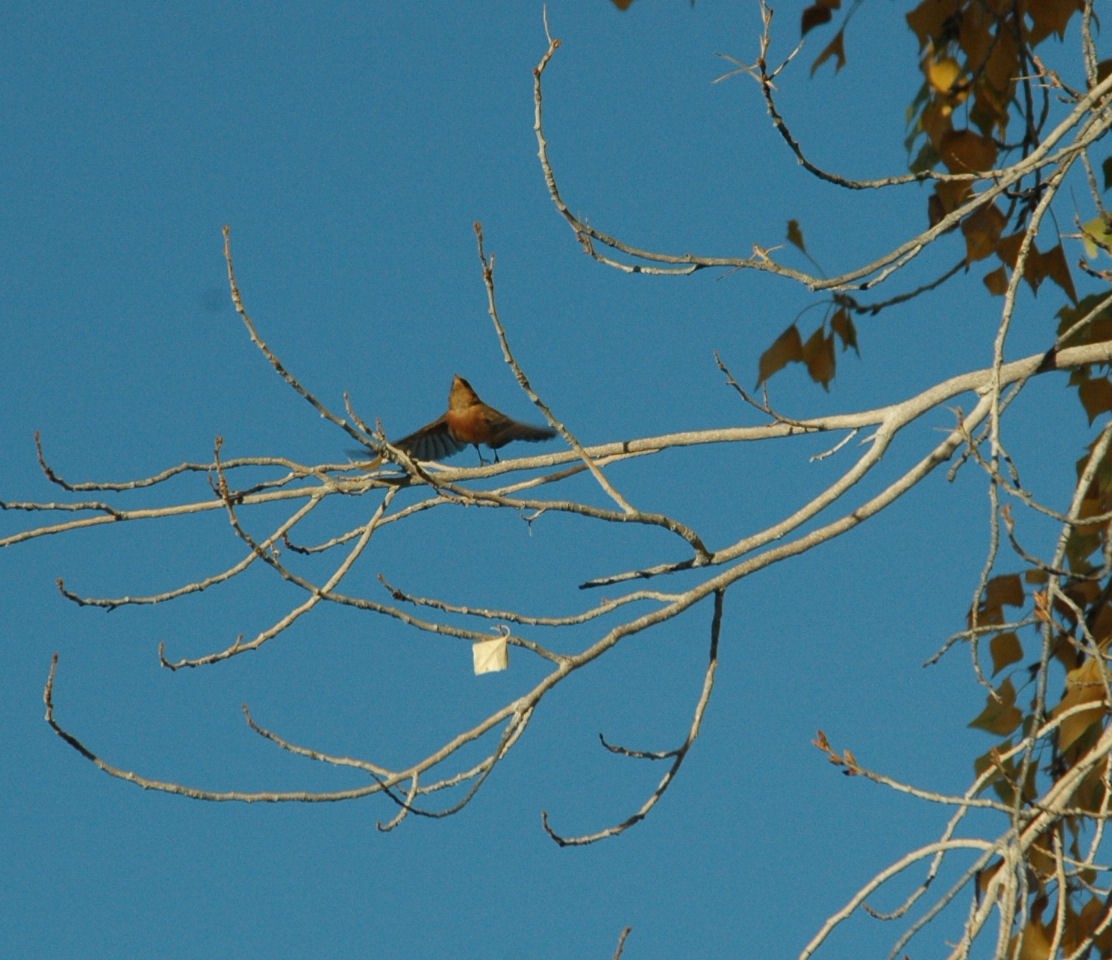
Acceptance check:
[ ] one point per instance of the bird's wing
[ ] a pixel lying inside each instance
(504, 430)
(434, 441)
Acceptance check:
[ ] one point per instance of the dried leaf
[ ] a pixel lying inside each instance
(795, 235)
(787, 348)
(964, 151)
(490, 656)
(818, 354)
(1096, 396)
(1006, 650)
(927, 19)
(842, 324)
(997, 282)
(1007, 248)
(951, 195)
(1083, 686)
(1034, 942)
(836, 48)
(982, 229)
(1006, 589)
(1000, 715)
(1050, 16)
(1054, 266)
(814, 16)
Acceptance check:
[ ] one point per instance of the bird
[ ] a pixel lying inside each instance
(468, 421)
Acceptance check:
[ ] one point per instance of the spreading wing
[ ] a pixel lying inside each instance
(504, 430)
(434, 441)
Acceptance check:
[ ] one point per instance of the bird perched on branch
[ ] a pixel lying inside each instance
(468, 421)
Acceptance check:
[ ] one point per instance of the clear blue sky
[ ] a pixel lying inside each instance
(350, 147)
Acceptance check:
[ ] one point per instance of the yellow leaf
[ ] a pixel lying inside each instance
(1096, 234)
(942, 74)
(1034, 943)
(1083, 686)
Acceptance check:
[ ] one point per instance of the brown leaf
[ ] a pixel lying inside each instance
(1003, 63)
(964, 151)
(835, 48)
(982, 229)
(1054, 265)
(1097, 329)
(795, 235)
(936, 120)
(1006, 650)
(1006, 589)
(1050, 16)
(951, 195)
(814, 16)
(935, 210)
(1007, 248)
(977, 35)
(1034, 942)
(997, 282)
(928, 20)
(1096, 396)
(787, 348)
(818, 354)
(1000, 716)
(842, 324)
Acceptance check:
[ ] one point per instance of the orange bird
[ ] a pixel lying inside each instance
(468, 421)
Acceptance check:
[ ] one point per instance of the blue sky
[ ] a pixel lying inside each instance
(350, 149)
